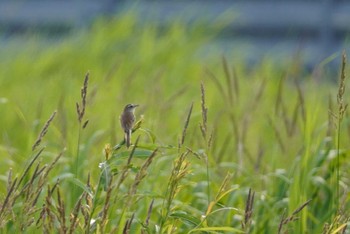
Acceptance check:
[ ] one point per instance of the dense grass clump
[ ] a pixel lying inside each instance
(218, 147)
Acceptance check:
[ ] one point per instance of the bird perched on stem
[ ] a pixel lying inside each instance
(127, 120)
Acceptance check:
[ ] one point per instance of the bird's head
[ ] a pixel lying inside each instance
(130, 107)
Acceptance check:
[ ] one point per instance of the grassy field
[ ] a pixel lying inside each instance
(220, 146)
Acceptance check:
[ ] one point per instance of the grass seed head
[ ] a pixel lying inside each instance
(43, 131)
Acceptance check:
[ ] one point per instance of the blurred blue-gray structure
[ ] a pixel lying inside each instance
(316, 28)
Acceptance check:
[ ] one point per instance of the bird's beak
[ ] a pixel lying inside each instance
(136, 105)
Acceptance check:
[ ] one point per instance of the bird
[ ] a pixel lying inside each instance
(127, 120)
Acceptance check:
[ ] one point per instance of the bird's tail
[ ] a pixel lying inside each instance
(128, 138)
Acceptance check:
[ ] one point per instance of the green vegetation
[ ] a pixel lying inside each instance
(220, 146)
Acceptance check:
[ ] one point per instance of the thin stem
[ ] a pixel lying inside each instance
(208, 181)
(77, 159)
(95, 200)
(78, 152)
(338, 164)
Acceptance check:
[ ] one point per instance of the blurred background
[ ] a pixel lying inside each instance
(259, 77)
(313, 30)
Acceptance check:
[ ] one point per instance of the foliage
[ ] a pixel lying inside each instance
(220, 147)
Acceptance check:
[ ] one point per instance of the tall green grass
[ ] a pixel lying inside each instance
(220, 146)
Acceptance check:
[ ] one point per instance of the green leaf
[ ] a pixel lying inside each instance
(150, 134)
(186, 217)
(225, 193)
(106, 175)
(139, 153)
(214, 229)
(80, 184)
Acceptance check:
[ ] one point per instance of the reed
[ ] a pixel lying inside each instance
(342, 106)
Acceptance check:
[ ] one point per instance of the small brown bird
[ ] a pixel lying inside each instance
(127, 119)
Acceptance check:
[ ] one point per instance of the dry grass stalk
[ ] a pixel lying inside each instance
(293, 216)
(40, 171)
(31, 190)
(47, 216)
(260, 155)
(223, 148)
(141, 174)
(82, 106)
(35, 200)
(198, 155)
(278, 134)
(235, 82)
(203, 125)
(85, 210)
(26, 170)
(234, 123)
(244, 129)
(340, 97)
(43, 131)
(149, 213)
(248, 211)
(301, 101)
(290, 123)
(223, 186)
(210, 140)
(55, 186)
(259, 94)
(36, 172)
(285, 117)
(144, 229)
(342, 106)
(186, 125)
(228, 77)
(61, 212)
(85, 124)
(204, 130)
(293, 123)
(217, 83)
(244, 153)
(127, 226)
(279, 97)
(27, 189)
(331, 117)
(339, 224)
(9, 180)
(7, 198)
(348, 124)
(179, 171)
(44, 174)
(88, 184)
(74, 215)
(300, 208)
(127, 166)
(280, 226)
(232, 84)
(106, 205)
(88, 198)
(52, 165)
